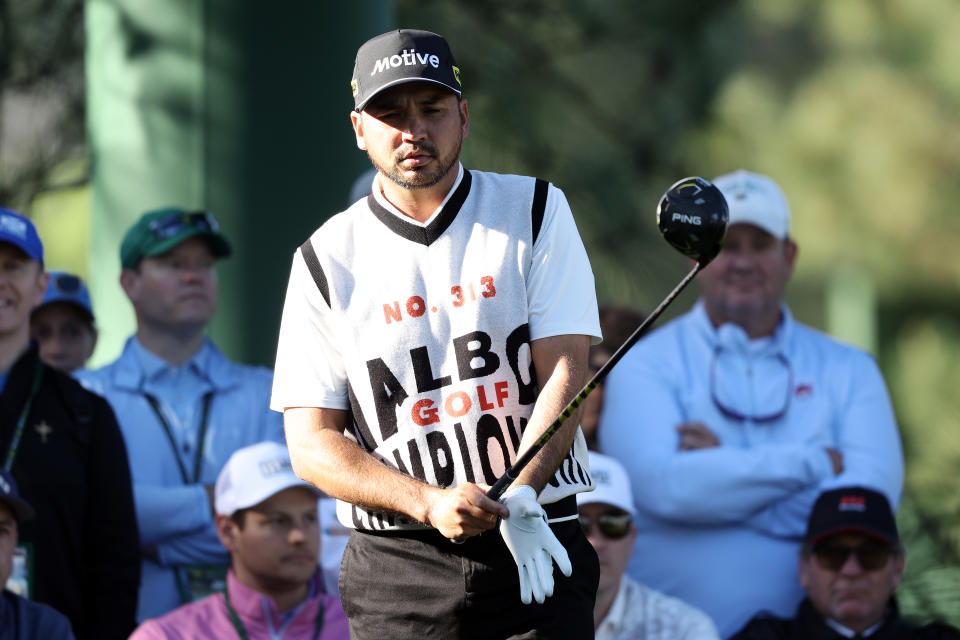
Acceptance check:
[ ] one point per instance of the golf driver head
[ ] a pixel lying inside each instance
(692, 216)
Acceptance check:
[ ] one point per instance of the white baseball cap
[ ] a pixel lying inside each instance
(755, 199)
(612, 484)
(253, 474)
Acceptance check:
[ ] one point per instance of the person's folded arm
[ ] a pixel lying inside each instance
(164, 513)
(867, 432)
(866, 435)
(721, 484)
(202, 547)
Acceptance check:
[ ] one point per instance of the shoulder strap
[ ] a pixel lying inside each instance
(313, 264)
(539, 205)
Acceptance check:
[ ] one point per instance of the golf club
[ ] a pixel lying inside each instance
(692, 217)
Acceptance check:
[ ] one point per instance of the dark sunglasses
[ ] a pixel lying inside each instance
(611, 525)
(171, 225)
(871, 556)
(732, 413)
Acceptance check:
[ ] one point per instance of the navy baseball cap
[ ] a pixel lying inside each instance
(10, 496)
(852, 510)
(401, 56)
(68, 288)
(20, 232)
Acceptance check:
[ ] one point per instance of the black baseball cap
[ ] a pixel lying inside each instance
(852, 510)
(401, 56)
(10, 496)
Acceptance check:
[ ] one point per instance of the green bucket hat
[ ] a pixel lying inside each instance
(159, 231)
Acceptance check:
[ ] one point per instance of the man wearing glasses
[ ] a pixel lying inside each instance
(184, 408)
(850, 565)
(626, 609)
(733, 418)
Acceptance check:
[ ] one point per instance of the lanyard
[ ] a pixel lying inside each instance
(242, 632)
(22, 420)
(198, 458)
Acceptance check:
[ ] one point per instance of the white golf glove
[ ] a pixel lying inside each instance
(532, 544)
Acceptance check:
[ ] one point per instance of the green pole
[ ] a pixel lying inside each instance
(235, 106)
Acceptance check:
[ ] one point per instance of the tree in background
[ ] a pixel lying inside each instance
(41, 95)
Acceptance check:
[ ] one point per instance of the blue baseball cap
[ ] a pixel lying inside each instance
(20, 232)
(10, 495)
(68, 288)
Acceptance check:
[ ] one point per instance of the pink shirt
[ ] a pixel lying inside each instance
(209, 618)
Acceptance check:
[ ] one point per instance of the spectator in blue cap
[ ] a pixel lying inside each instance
(63, 446)
(63, 325)
(20, 618)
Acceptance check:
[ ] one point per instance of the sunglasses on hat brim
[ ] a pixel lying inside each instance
(173, 224)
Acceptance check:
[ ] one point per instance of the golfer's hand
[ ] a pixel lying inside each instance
(836, 460)
(696, 435)
(463, 511)
(532, 544)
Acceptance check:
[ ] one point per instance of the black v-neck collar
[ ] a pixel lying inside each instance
(424, 235)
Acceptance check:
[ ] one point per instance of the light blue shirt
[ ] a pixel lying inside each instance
(720, 528)
(173, 515)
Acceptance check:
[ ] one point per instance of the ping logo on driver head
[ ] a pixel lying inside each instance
(683, 217)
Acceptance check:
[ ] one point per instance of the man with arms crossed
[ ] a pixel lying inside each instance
(430, 332)
(183, 406)
(734, 417)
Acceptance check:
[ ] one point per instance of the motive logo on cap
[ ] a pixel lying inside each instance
(400, 56)
(405, 58)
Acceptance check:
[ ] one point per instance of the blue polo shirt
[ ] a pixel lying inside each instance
(173, 512)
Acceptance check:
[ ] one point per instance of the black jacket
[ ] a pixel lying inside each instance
(71, 466)
(808, 624)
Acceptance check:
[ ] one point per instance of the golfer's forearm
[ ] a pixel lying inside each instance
(562, 363)
(341, 469)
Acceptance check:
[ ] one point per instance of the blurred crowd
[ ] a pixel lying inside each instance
(747, 468)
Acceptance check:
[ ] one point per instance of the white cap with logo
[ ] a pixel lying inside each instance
(755, 199)
(612, 484)
(253, 474)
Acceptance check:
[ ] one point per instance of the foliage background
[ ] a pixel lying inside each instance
(850, 105)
